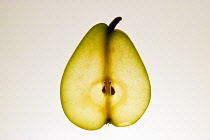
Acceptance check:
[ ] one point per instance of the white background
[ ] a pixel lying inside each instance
(38, 37)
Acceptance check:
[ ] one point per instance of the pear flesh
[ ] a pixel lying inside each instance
(105, 81)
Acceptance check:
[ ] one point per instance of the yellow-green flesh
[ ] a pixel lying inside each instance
(101, 60)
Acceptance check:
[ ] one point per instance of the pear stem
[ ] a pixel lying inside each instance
(113, 24)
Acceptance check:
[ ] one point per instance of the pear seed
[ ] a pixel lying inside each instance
(104, 89)
(112, 90)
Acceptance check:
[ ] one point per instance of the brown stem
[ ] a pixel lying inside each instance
(113, 24)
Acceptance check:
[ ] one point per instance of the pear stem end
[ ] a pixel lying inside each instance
(113, 24)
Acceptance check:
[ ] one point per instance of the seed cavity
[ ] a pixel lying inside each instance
(107, 88)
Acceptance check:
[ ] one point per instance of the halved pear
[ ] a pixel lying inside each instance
(105, 80)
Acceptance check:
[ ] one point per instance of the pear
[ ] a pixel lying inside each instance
(105, 80)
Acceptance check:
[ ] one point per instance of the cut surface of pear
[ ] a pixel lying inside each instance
(105, 80)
